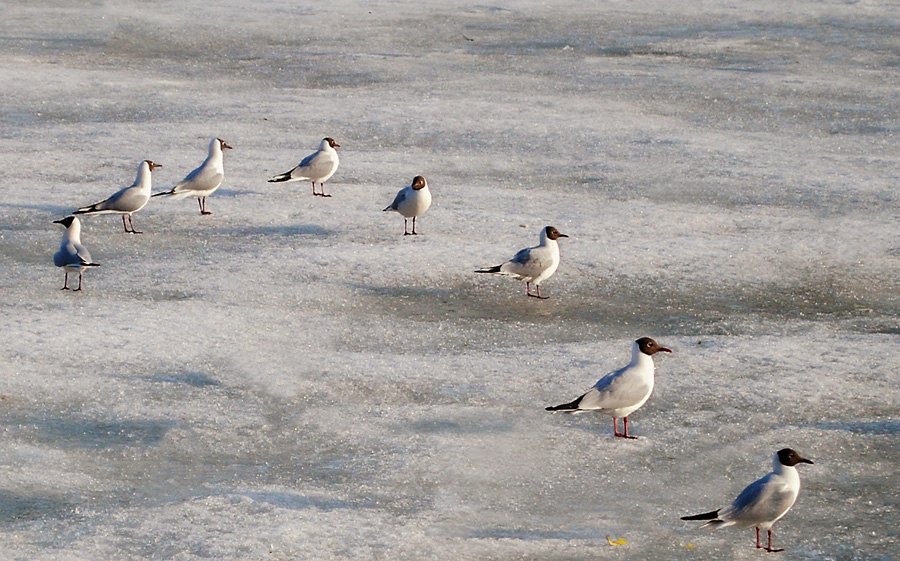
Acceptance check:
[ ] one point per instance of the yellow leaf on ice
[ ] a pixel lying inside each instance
(617, 542)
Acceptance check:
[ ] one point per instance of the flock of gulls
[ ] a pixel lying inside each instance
(624, 391)
(618, 394)
(532, 265)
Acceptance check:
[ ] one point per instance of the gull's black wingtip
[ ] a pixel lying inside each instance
(495, 269)
(705, 516)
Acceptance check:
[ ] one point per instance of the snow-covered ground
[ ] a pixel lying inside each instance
(291, 378)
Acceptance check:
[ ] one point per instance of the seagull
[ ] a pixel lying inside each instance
(764, 501)
(128, 200)
(411, 202)
(622, 392)
(533, 264)
(203, 181)
(72, 256)
(318, 166)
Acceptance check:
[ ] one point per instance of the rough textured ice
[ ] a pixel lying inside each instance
(291, 378)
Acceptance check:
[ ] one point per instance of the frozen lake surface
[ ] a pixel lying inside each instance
(291, 378)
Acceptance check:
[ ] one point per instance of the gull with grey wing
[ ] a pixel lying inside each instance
(411, 202)
(72, 256)
(126, 201)
(317, 167)
(203, 181)
(764, 502)
(622, 392)
(532, 264)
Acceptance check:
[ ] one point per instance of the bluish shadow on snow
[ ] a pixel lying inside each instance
(528, 535)
(440, 304)
(232, 193)
(888, 329)
(444, 426)
(600, 426)
(99, 434)
(195, 379)
(286, 231)
(294, 501)
(867, 427)
(16, 507)
(154, 294)
(52, 210)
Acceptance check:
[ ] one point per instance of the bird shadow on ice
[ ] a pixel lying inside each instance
(237, 193)
(17, 507)
(98, 434)
(195, 379)
(600, 426)
(233, 193)
(442, 303)
(527, 535)
(52, 210)
(869, 427)
(284, 231)
(295, 501)
(155, 294)
(444, 426)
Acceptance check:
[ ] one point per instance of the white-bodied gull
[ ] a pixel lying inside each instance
(622, 392)
(126, 201)
(764, 502)
(317, 167)
(532, 264)
(411, 202)
(203, 181)
(72, 256)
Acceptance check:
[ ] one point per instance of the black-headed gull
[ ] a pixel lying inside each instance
(203, 181)
(72, 256)
(411, 202)
(126, 201)
(764, 502)
(317, 167)
(622, 392)
(532, 264)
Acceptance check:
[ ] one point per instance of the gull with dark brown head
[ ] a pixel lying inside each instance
(411, 202)
(622, 392)
(317, 167)
(532, 264)
(764, 502)
(72, 256)
(126, 201)
(203, 181)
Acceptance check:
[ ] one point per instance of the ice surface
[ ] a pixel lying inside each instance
(291, 378)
